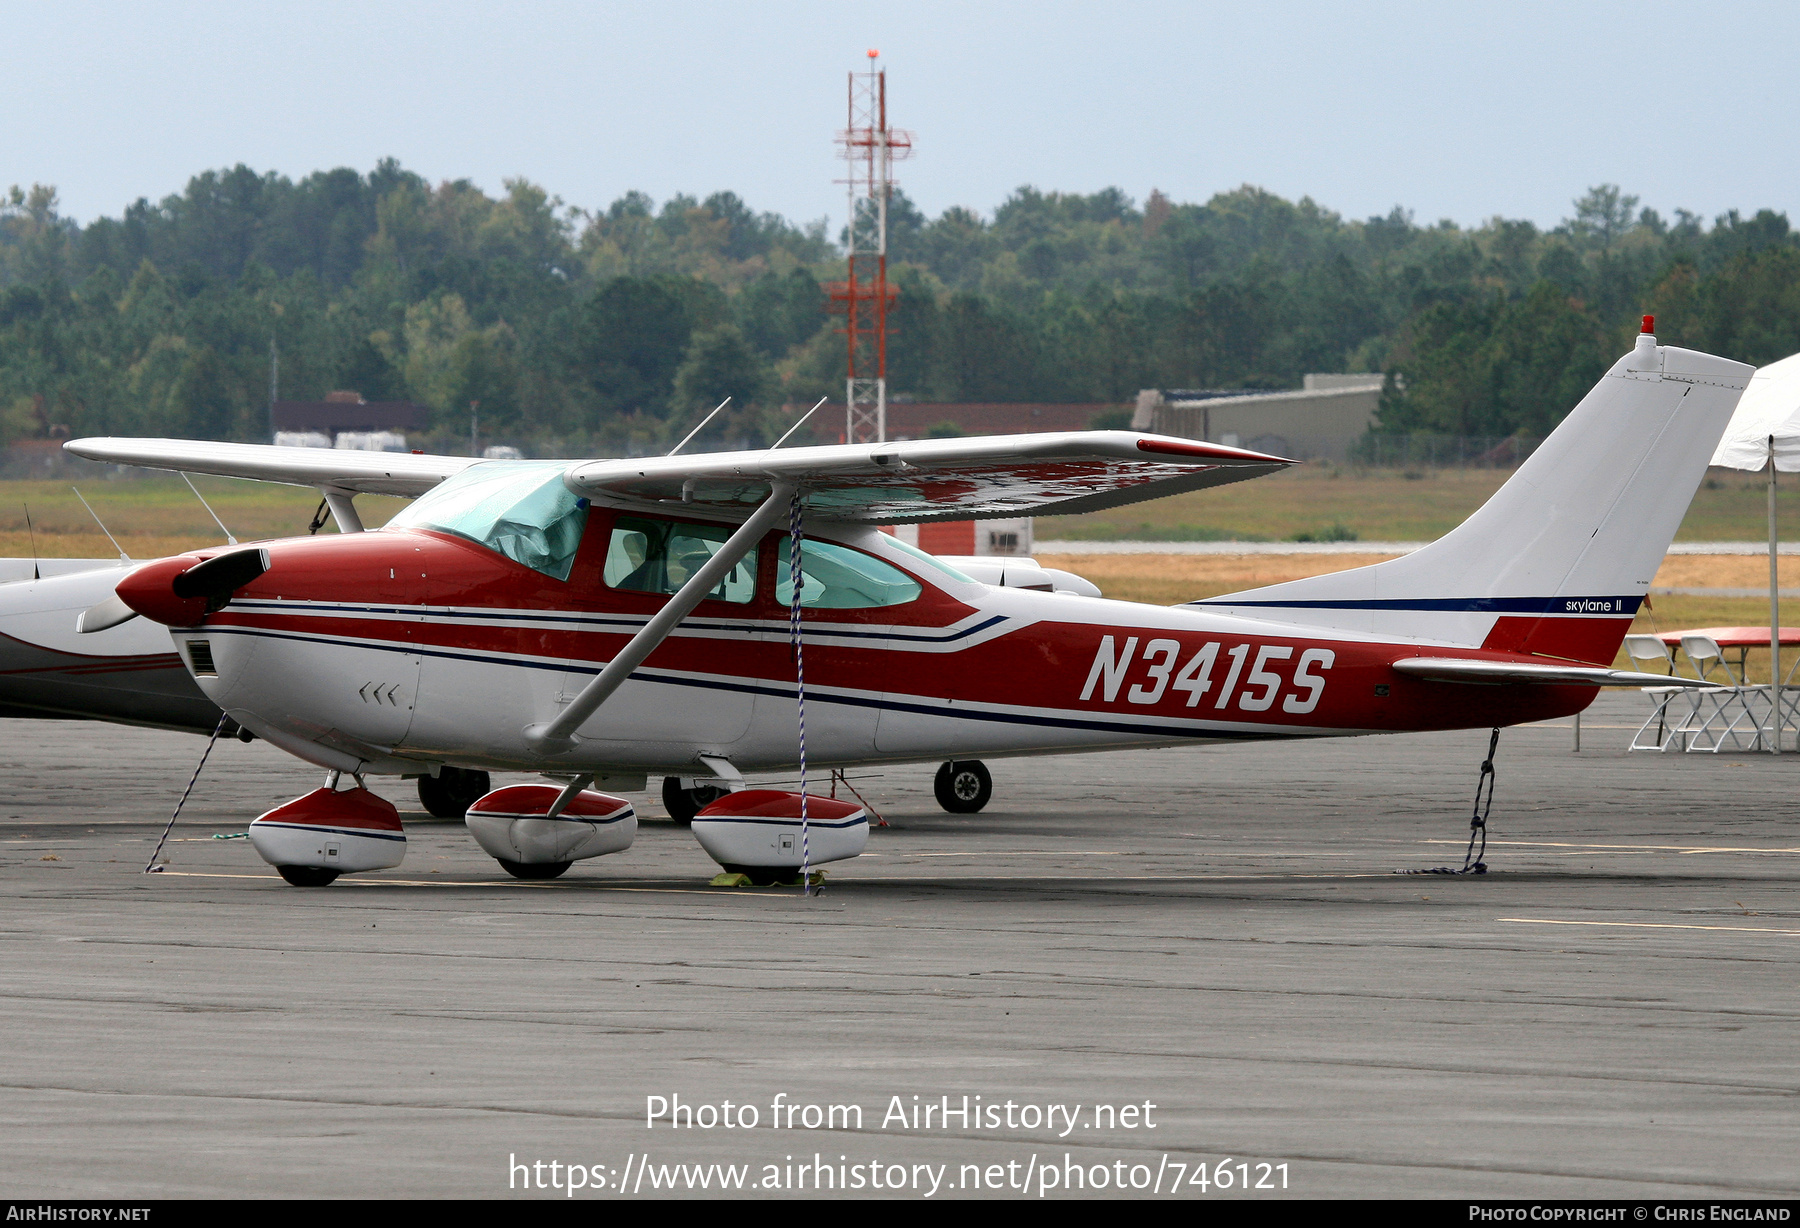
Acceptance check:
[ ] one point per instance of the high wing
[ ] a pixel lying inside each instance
(890, 483)
(933, 479)
(369, 473)
(1508, 673)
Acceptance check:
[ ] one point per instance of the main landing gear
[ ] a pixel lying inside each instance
(450, 793)
(308, 876)
(534, 869)
(963, 787)
(683, 804)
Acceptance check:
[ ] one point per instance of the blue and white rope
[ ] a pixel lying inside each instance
(794, 578)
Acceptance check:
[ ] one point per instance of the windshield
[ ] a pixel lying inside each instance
(931, 559)
(517, 508)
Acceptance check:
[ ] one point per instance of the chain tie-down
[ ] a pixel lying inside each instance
(1484, 802)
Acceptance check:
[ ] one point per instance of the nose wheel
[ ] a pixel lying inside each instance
(963, 787)
(450, 793)
(683, 804)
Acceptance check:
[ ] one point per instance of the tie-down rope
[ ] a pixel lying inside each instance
(150, 867)
(794, 539)
(1484, 802)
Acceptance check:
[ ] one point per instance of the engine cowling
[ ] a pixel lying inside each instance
(761, 828)
(510, 825)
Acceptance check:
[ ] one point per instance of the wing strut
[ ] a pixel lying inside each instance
(343, 509)
(557, 737)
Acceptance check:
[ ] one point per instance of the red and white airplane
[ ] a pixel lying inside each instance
(601, 622)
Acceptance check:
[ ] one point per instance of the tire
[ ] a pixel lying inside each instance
(764, 876)
(963, 787)
(450, 793)
(535, 869)
(683, 804)
(308, 876)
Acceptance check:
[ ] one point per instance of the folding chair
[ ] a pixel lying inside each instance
(1649, 649)
(1718, 716)
(1789, 716)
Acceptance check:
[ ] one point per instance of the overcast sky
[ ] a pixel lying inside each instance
(1451, 110)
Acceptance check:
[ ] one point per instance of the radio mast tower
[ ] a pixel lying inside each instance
(871, 148)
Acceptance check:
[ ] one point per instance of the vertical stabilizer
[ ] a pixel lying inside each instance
(1559, 559)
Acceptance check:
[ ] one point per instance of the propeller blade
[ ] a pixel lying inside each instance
(220, 576)
(108, 613)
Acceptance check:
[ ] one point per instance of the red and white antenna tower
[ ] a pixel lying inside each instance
(871, 148)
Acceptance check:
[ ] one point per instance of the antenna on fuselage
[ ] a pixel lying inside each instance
(209, 511)
(35, 574)
(690, 435)
(803, 417)
(123, 557)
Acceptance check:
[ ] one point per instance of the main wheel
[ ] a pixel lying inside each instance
(764, 876)
(450, 793)
(683, 804)
(308, 876)
(963, 787)
(534, 869)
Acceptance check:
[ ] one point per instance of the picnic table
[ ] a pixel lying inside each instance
(1741, 638)
(1716, 718)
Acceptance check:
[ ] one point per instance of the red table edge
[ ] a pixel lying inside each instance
(1733, 637)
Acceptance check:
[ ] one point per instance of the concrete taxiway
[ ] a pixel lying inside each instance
(1220, 933)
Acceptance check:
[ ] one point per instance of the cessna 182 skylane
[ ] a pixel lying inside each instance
(601, 621)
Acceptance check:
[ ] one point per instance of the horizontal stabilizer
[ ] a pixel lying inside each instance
(371, 473)
(1508, 673)
(921, 480)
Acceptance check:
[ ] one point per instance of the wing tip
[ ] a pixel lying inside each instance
(1157, 444)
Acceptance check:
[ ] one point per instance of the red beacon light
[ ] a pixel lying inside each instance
(1649, 325)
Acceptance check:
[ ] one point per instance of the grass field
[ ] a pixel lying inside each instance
(1165, 579)
(1389, 505)
(158, 515)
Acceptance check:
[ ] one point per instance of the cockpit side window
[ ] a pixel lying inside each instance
(834, 577)
(658, 556)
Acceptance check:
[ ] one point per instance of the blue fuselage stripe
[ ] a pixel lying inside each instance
(623, 626)
(727, 818)
(332, 831)
(1620, 606)
(787, 692)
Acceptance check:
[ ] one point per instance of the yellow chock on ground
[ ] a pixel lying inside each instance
(744, 880)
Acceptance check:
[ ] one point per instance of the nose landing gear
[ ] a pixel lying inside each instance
(450, 793)
(683, 804)
(964, 786)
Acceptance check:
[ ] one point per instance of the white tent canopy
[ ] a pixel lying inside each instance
(1764, 432)
(1769, 406)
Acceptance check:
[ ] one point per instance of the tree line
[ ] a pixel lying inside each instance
(608, 331)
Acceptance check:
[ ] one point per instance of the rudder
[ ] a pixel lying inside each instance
(1559, 559)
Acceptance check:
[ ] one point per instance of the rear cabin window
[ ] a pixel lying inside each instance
(834, 577)
(658, 556)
